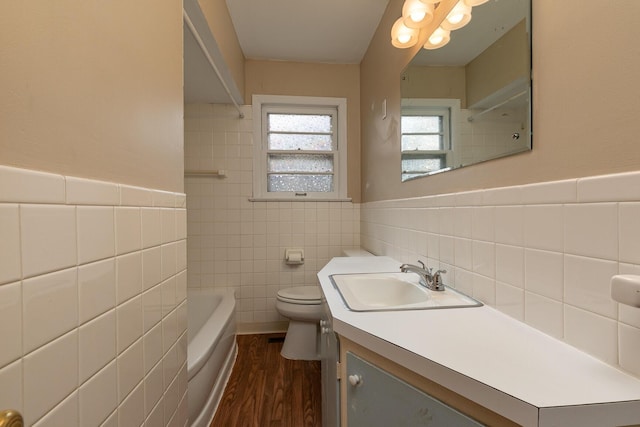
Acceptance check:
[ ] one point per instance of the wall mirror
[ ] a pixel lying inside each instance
(469, 101)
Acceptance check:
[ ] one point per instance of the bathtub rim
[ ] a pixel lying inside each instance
(201, 340)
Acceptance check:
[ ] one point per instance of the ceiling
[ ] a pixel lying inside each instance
(201, 84)
(329, 31)
(334, 31)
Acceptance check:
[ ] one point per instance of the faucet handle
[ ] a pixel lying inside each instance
(437, 279)
(422, 264)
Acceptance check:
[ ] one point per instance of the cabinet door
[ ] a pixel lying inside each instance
(376, 398)
(329, 355)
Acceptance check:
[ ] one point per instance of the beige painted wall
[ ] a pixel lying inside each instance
(308, 79)
(434, 82)
(509, 55)
(221, 26)
(93, 89)
(585, 97)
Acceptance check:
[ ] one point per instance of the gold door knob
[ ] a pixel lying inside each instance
(10, 418)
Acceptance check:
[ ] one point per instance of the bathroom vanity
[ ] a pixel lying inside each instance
(473, 362)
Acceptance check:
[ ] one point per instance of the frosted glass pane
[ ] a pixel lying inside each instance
(422, 165)
(300, 183)
(300, 163)
(421, 124)
(299, 123)
(278, 141)
(422, 142)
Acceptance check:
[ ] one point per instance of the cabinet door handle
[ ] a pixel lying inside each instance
(10, 418)
(355, 380)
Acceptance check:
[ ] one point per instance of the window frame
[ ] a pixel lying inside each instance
(450, 110)
(264, 104)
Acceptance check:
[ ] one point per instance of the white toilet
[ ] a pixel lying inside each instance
(303, 306)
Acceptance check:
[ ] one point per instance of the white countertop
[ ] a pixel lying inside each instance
(489, 357)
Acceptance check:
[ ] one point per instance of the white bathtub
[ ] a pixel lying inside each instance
(211, 352)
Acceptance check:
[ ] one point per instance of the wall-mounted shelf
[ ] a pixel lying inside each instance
(498, 105)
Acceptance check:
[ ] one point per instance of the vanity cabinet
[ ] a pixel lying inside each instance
(376, 397)
(379, 392)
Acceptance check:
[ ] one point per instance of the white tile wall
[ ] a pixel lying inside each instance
(10, 243)
(96, 289)
(11, 309)
(486, 138)
(510, 300)
(630, 239)
(41, 323)
(97, 344)
(236, 243)
(128, 276)
(542, 253)
(48, 238)
(12, 390)
(95, 233)
(57, 362)
(66, 413)
(128, 230)
(75, 348)
(98, 396)
(544, 313)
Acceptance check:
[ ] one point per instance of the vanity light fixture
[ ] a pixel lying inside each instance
(473, 3)
(402, 36)
(439, 38)
(419, 14)
(416, 14)
(459, 16)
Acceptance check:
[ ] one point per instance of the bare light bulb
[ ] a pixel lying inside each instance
(459, 16)
(416, 14)
(403, 36)
(455, 18)
(475, 2)
(439, 38)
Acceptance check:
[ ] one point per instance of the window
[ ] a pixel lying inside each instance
(300, 148)
(425, 140)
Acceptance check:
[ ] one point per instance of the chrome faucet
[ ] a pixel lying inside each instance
(427, 279)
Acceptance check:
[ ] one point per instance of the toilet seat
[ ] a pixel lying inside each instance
(303, 295)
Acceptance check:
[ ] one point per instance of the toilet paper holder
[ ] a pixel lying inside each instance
(294, 256)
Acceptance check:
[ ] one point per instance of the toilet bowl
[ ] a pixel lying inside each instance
(303, 306)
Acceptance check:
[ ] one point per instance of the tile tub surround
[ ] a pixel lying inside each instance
(93, 296)
(541, 253)
(236, 243)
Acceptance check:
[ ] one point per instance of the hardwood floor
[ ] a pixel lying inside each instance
(267, 390)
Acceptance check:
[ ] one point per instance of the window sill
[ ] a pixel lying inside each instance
(298, 199)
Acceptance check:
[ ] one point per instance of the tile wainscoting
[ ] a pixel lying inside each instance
(541, 253)
(240, 244)
(93, 297)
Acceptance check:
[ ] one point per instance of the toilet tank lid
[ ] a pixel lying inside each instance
(356, 252)
(301, 293)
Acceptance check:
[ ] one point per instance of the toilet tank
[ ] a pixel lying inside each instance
(356, 252)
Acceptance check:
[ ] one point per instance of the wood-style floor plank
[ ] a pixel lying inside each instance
(267, 390)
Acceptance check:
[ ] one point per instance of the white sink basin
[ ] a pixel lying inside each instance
(395, 291)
